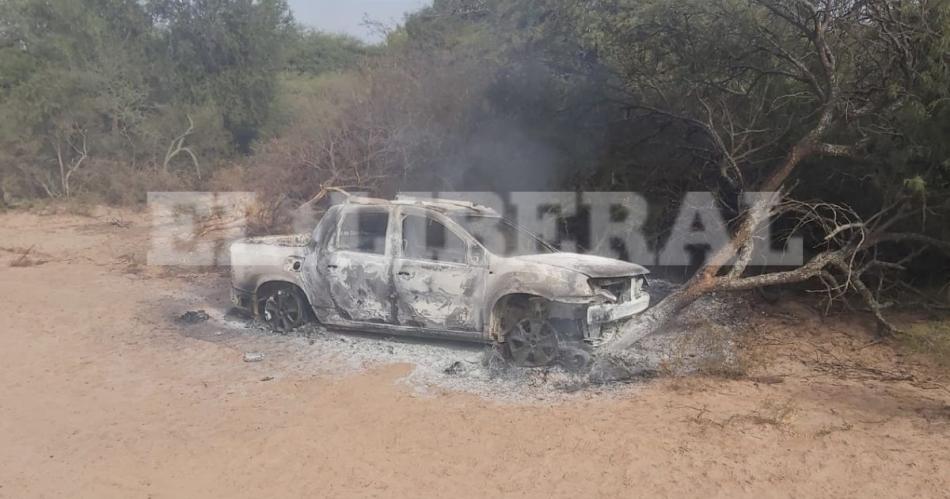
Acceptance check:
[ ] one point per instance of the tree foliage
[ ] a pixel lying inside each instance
(225, 52)
(94, 91)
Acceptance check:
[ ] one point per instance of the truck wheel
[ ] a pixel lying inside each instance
(283, 308)
(530, 339)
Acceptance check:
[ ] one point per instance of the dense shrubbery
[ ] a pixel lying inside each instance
(109, 98)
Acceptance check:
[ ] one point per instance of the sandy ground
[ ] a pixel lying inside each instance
(103, 395)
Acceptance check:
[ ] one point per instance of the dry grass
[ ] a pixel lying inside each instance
(778, 414)
(23, 259)
(829, 429)
(775, 414)
(931, 339)
(132, 263)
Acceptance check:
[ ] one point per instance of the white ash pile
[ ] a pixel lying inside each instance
(441, 365)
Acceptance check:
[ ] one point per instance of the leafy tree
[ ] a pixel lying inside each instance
(228, 52)
(95, 84)
(72, 82)
(314, 53)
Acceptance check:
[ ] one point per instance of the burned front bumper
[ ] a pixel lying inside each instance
(612, 312)
(603, 314)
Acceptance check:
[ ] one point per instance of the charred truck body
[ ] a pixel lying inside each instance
(426, 268)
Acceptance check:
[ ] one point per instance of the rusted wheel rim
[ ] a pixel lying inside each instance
(282, 310)
(532, 343)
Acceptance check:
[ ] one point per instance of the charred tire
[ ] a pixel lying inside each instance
(282, 307)
(530, 339)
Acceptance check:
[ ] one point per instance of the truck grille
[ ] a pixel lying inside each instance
(617, 286)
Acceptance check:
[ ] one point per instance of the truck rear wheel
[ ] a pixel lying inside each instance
(282, 307)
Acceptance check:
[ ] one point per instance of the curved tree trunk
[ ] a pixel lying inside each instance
(707, 279)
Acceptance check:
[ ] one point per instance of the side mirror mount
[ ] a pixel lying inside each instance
(477, 255)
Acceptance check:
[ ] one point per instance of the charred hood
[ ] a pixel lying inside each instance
(589, 265)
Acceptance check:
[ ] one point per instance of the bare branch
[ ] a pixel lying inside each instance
(177, 146)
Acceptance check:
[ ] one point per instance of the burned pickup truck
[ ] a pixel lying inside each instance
(437, 268)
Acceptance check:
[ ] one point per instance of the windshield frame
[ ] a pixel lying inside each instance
(460, 219)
